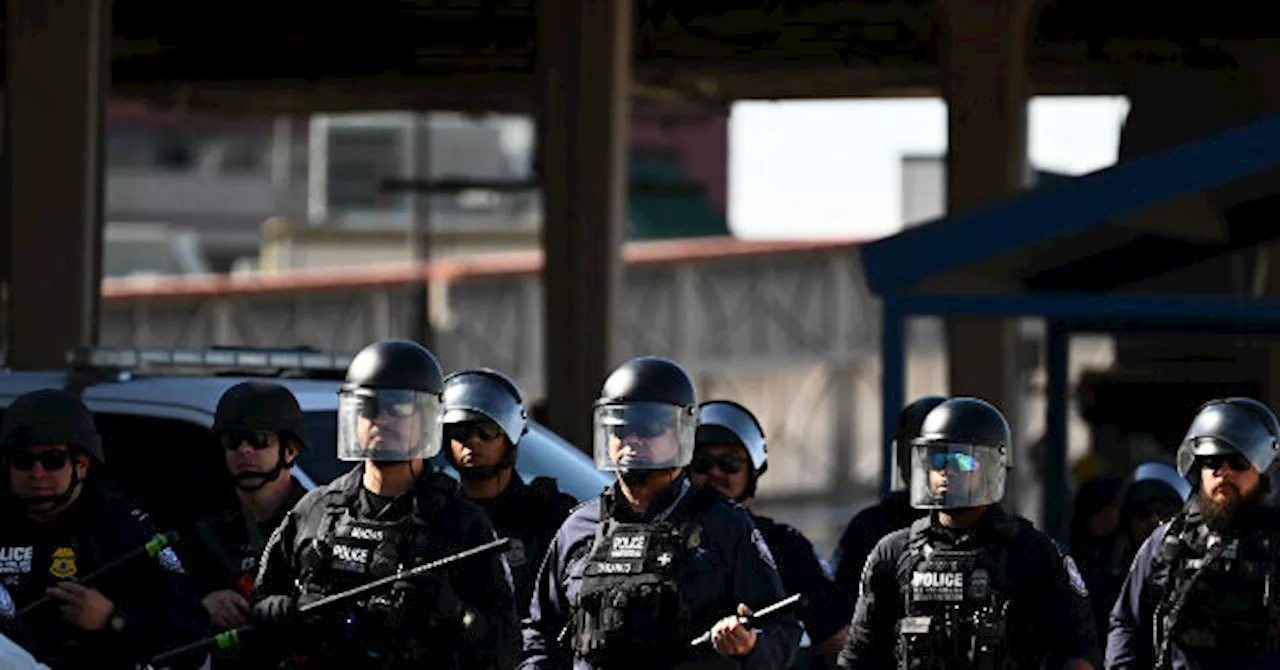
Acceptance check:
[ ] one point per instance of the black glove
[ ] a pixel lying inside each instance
(438, 597)
(274, 610)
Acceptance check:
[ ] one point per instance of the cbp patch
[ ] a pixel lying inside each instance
(64, 563)
(1073, 576)
(763, 549)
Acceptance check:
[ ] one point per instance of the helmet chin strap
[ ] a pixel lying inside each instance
(244, 481)
(61, 499)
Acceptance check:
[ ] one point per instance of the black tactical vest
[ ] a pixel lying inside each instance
(631, 611)
(349, 551)
(956, 606)
(1208, 592)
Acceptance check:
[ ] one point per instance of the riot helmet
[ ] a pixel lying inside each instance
(1231, 425)
(1153, 488)
(727, 422)
(248, 410)
(962, 456)
(390, 406)
(646, 417)
(480, 400)
(908, 429)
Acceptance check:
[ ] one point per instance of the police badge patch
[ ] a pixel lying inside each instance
(1073, 576)
(763, 549)
(64, 563)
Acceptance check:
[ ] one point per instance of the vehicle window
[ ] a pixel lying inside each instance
(171, 469)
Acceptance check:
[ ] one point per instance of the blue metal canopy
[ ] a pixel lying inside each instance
(1066, 251)
(1066, 236)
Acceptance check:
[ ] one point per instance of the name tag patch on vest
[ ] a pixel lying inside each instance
(64, 563)
(16, 560)
(937, 586)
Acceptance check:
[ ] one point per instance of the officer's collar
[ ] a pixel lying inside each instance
(995, 522)
(659, 508)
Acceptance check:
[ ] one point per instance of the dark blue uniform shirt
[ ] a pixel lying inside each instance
(825, 610)
(730, 564)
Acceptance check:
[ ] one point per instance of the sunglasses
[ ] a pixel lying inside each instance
(939, 460)
(389, 403)
(1236, 462)
(49, 460)
(258, 439)
(641, 429)
(463, 432)
(730, 464)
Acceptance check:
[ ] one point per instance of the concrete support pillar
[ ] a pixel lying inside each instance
(584, 62)
(983, 51)
(58, 75)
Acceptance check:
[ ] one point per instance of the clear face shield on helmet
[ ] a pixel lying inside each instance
(956, 476)
(643, 436)
(388, 424)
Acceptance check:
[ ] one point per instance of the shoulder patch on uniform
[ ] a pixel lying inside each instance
(7, 609)
(1074, 577)
(762, 548)
(169, 561)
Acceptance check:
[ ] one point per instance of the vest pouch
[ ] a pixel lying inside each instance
(919, 642)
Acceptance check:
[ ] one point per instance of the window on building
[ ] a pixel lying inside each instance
(359, 160)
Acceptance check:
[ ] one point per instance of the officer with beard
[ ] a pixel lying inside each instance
(635, 575)
(57, 526)
(260, 429)
(391, 512)
(484, 419)
(1202, 592)
(729, 456)
(969, 586)
(894, 512)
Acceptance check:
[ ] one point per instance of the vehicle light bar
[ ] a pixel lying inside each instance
(129, 358)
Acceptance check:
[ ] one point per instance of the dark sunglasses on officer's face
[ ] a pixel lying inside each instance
(462, 432)
(1236, 462)
(641, 429)
(258, 439)
(730, 464)
(50, 460)
(399, 408)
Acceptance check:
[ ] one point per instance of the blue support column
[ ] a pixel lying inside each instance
(1058, 392)
(893, 382)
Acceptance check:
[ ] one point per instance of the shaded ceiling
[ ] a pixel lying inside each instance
(480, 54)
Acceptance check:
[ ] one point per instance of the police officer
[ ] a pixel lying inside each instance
(632, 577)
(484, 420)
(260, 430)
(55, 527)
(1202, 592)
(970, 586)
(390, 512)
(894, 512)
(730, 454)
